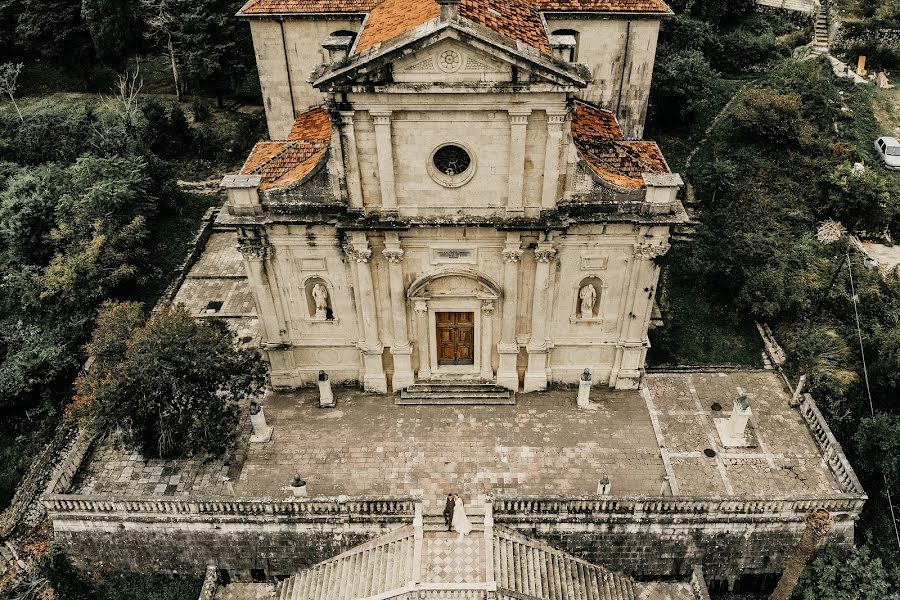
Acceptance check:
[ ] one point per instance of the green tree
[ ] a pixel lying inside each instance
(879, 436)
(846, 575)
(116, 27)
(681, 89)
(860, 199)
(56, 30)
(215, 49)
(177, 384)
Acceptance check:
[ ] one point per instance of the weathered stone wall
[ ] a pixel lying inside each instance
(725, 550)
(162, 545)
(620, 54)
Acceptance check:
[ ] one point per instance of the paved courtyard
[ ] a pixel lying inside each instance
(655, 441)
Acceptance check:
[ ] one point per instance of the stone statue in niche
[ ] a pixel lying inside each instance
(320, 296)
(588, 296)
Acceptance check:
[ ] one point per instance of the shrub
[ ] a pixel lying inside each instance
(860, 199)
(773, 118)
(174, 387)
(51, 132)
(839, 574)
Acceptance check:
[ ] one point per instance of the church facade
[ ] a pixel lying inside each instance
(454, 190)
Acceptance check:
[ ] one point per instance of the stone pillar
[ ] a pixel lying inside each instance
(508, 348)
(255, 251)
(584, 389)
(633, 343)
(354, 183)
(374, 379)
(518, 124)
(400, 349)
(536, 374)
(487, 339)
(551, 159)
(385, 151)
(421, 308)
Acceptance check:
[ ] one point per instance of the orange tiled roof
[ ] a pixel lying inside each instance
(282, 163)
(600, 143)
(261, 7)
(589, 122)
(514, 19)
(602, 5)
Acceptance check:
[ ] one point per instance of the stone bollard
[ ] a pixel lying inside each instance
(584, 389)
(261, 430)
(603, 486)
(298, 486)
(795, 399)
(326, 397)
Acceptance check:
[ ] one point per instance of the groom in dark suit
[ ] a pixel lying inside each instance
(448, 512)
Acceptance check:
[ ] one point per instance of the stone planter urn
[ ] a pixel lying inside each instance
(298, 487)
(603, 487)
(584, 389)
(326, 397)
(261, 430)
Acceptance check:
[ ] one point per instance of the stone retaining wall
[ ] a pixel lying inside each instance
(275, 537)
(665, 536)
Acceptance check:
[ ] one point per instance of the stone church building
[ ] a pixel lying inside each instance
(455, 189)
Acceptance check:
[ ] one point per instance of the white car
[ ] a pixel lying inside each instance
(889, 151)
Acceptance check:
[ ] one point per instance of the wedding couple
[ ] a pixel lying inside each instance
(455, 515)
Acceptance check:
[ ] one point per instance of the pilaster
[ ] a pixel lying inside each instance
(538, 349)
(256, 252)
(358, 250)
(508, 348)
(385, 151)
(555, 123)
(421, 309)
(400, 349)
(518, 124)
(487, 339)
(354, 182)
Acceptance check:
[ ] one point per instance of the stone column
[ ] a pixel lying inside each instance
(255, 251)
(421, 308)
(508, 348)
(536, 374)
(518, 124)
(374, 379)
(487, 339)
(385, 151)
(400, 349)
(633, 343)
(555, 123)
(354, 184)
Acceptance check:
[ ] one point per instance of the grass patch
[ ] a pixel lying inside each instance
(134, 586)
(697, 332)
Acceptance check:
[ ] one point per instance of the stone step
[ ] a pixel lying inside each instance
(455, 392)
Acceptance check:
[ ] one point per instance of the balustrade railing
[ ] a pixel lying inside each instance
(829, 447)
(363, 507)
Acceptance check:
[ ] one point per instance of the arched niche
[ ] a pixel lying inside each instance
(588, 299)
(319, 299)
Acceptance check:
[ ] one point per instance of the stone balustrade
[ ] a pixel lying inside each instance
(829, 447)
(664, 508)
(210, 584)
(341, 506)
(698, 584)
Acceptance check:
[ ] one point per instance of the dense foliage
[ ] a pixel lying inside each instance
(69, 583)
(172, 384)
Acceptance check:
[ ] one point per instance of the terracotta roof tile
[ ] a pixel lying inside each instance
(262, 7)
(589, 122)
(602, 5)
(282, 163)
(258, 7)
(600, 143)
(395, 17)
(514, 19)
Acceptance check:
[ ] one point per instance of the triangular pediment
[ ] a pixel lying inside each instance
(448, 54)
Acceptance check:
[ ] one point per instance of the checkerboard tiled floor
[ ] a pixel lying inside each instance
(449, 558)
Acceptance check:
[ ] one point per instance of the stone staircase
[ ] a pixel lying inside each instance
(435, 521)
(472, 393)
(821, 32)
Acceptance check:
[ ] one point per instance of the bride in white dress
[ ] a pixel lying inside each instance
(461, 523)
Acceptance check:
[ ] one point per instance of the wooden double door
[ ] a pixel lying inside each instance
(455, 338)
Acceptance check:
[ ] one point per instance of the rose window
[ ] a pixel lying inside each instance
(452, 160)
